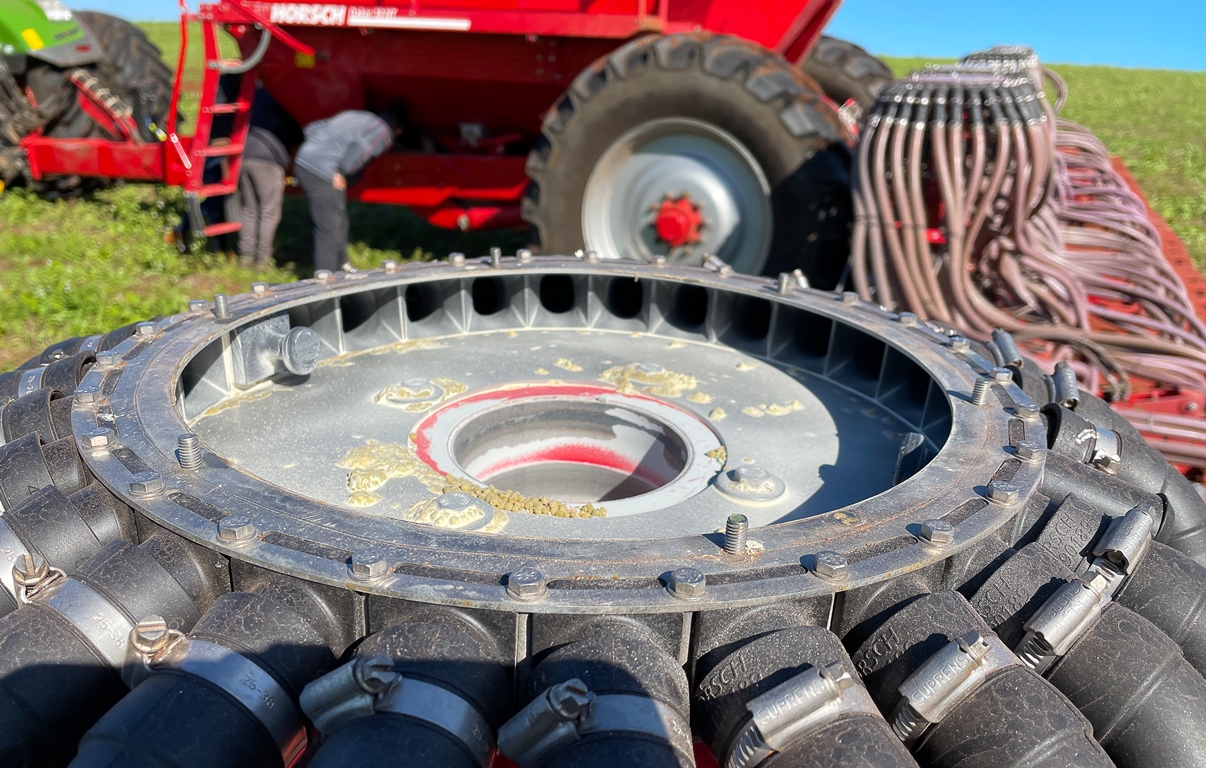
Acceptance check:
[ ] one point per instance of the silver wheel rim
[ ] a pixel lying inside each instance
(666, 159)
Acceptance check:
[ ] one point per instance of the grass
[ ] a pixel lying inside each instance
(91, 264)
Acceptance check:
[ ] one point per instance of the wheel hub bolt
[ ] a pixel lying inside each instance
(526, 583)
(939, 533)
(1002, 492)
(687, 583)
(145, 484)
(830, 565)
(368, 566)
(236, 529)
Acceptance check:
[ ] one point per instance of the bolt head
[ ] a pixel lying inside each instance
(687, 583)
(146, 483)
(908, 319)
(1002, 492)
(456, 259)
(322, 275)
(30, 569)
(389, 265)
(101, 437)
(1002, 375)
(455, 501)
(368, 565)
(849, 297)
(300, 350)
(1029, 450)
(144, 329)
(959, 344)
(150, 635)
(746, 473)
(1096, 581)
(87, 395)
(937, 532)
(525, 255)
(108, 359)
(592, 257)
(259, 289)
(659, 261)
(236, 528)
(526, 583)
(830, 565)
(1026, 410)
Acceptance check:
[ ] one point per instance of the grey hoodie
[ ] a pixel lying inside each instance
(343, 144)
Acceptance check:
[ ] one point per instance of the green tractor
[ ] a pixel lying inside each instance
(75, 75)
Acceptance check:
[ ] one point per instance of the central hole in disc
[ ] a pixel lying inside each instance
(575, 450)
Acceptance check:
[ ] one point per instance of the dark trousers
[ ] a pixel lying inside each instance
(329, 212)
(261, 194)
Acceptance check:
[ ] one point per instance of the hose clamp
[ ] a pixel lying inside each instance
(814, 698)
(1064, 618)
(246, 682)
(1107, 450)
(945, 680)
(569, 711)
(1123, 545)
(369, 686)
(12, 549)
(30, 381)
(106, 628)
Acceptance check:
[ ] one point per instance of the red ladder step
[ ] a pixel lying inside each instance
(223, 150)
(216, 190)
(222, 228)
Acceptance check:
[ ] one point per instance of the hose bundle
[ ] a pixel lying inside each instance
(978, 209)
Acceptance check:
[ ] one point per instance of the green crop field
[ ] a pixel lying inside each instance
(80, 266)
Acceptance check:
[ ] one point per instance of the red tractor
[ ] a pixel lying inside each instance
(642, 128)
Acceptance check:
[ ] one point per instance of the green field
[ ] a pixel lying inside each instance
(90, 264)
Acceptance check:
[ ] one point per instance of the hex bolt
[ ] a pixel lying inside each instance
(151, 635)
(909, 320)
(107, 359)
(659, 261)
(849, 298)
(980, 391)
(322, 275)
(369, 565)
(939, 533)
(1002, 375)
(784, 286)
(525, 256)
(735, 530)
(188, 451)
(30, 570)
(96, 439)
(687, 583)
(146, 484)
(526, 583)
(144, 329)
(959, 344)
(456, 259)
(1002, 492)
(88, 394)
(1029, 450)
(221, 306)
(592, 257)
(1026, 410)
(259, 289)
(496, 257)
(236, 529)
(830, 565)
(389, 265)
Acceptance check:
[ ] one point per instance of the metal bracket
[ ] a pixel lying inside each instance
(259, 349)
(815, 697)
(1123, 545)
(1107, 450)
(368, 686)
(569, 711)
(1064, 618)
(945, 680)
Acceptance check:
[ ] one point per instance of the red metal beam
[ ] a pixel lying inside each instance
(100, 158)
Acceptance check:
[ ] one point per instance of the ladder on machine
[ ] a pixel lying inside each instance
(212, 162)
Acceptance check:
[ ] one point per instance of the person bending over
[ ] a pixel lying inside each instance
(335, 150)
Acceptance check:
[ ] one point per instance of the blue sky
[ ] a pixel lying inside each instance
(1164, 34)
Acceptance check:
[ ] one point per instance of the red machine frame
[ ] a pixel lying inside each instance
(465, 185)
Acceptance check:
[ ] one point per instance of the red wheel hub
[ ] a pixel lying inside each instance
(678, 221)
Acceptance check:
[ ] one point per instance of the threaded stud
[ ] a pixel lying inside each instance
(980, 391)
(221, 306)
(188, 451)
(735, 529)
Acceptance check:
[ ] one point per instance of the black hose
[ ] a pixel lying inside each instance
(455, 655)
(180, 718)
(1167, 590)
(852, 738)
(1013, 718)
(27, 466)
(54, 682)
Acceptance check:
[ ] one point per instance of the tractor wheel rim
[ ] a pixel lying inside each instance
(667, 160)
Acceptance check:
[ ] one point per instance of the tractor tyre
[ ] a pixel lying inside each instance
(136, 66)
(694, 145)
(72, 122)
(846, 71)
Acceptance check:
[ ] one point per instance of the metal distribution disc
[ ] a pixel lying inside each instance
(598, 422)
